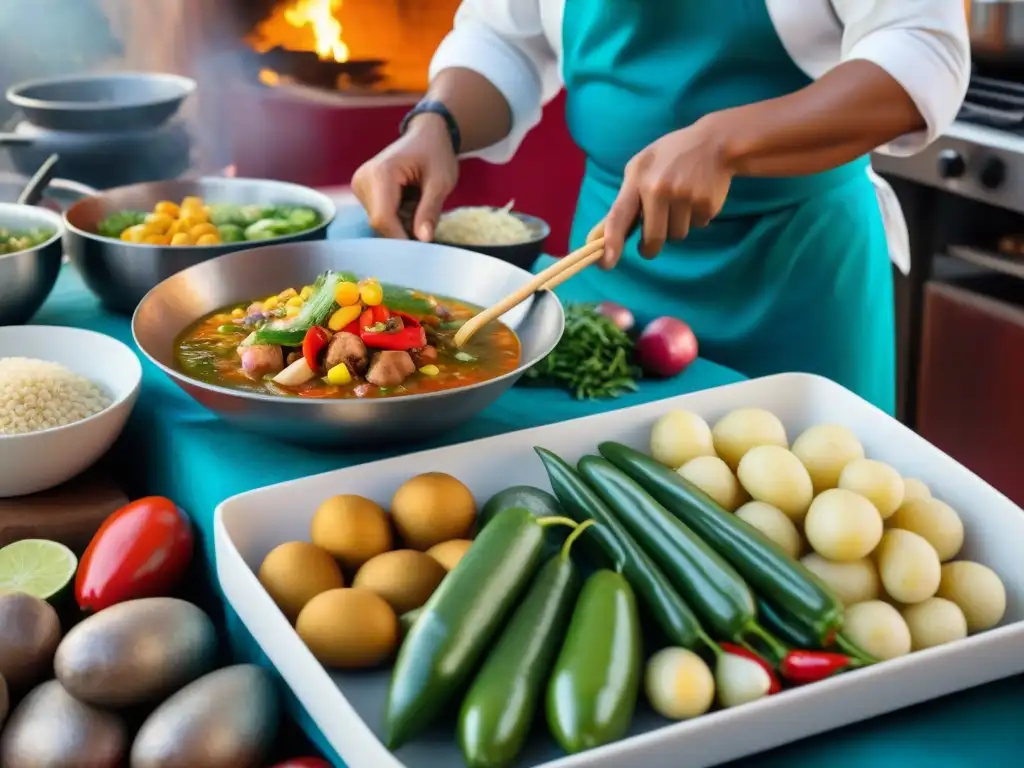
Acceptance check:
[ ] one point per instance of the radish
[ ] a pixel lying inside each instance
(666, 347)
(618, 314)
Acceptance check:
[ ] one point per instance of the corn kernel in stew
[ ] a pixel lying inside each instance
(339, 375)
(343, 317)
(371, 293)
(208, 240)
(346, 294)
(168, 208)
(430, 370)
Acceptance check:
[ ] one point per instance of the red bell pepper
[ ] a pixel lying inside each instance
(142, 550)
(313, 345)
(410, 336)
(739, 650)
(812, 666)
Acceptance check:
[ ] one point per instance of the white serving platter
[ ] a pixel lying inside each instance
(348, 707)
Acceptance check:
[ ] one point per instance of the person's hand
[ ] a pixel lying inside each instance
(678, 182)
(423, 157)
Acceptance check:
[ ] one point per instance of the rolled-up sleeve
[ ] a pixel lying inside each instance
(923, 45)
(504, 41)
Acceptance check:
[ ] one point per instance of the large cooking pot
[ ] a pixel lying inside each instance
(353, 423)
(997, 30)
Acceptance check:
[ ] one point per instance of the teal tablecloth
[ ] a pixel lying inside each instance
(175, 448)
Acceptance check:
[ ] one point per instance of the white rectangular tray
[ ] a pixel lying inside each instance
(348, 707)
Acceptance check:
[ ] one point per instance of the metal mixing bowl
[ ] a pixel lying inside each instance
(121, 273)
(356, 423)
(27, 277)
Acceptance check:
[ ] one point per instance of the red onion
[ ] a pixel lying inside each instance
(666, 347)
(618, 314)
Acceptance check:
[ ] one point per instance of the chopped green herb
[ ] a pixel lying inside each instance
(464, 357)
(594, 359)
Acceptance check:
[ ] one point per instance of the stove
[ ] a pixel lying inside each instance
(981, 156)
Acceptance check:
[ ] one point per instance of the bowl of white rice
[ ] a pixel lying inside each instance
(65, 395)
(503, 233)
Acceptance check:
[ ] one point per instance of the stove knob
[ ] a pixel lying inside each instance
(993, 173)
(951, 164)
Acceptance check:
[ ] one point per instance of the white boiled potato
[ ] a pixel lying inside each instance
(825, 449)
(745, 428)
(878, 629)
(775, 476)
(679, 436)
(842, 526)
(713, 476)
(876, 481)
(855, 581)
(935, 521)
(908, 566)
(936, 621)
(977, 590)
(915, 489)
(774, 524)
(679, 685)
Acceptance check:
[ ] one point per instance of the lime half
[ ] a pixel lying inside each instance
(38, 567)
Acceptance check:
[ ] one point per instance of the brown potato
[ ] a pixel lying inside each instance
(405, 578)
(295, 572)
(348, 628)
(449, 553)
(432, 508)
(352, 528)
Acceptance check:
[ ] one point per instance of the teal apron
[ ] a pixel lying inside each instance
(794, 274)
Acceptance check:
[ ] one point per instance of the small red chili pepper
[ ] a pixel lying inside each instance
(410, 336)
(739, 650)
(812, 666)
(316, 341)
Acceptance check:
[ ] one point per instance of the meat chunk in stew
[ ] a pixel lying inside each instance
(390, 368)
(349, 349)
(261, 359)
(424, 356)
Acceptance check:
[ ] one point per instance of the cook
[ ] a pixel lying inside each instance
(737, 132)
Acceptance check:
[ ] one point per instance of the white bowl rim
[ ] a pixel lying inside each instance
(29, 211)
(116, 403)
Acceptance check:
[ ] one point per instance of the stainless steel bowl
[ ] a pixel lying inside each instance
(121, 273)
(27, 277)
(356, 423)
(59, 195)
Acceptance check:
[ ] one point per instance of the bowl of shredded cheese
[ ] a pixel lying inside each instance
(499, 232)
(65, 396)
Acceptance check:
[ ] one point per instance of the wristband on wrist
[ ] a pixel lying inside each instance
(426, 107)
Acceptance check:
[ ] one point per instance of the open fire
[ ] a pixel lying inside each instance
(350, 45)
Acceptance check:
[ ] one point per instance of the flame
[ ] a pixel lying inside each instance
(320, 16)
(269, 77)
(303, 25)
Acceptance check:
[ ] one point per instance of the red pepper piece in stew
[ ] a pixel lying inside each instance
(313, 346)
(739, 650)
(407, 334)
(812, 666)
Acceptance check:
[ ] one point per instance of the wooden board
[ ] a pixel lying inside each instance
(70, 513)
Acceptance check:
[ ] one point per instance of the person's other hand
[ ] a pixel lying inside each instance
(678, 182)
(424, 158)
